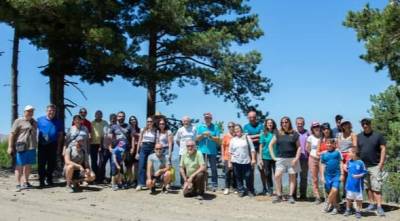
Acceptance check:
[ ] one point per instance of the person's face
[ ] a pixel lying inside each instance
(366, 127)
(158, 150)
(270, 125)
(317, 131)
(300, 124)
(238, 131)
(285, 124)
(83, 113)
(79, 144)
(121, 118)
(346, 127)
(162, 124)
(133, 121)
(252, 117)
(326, 132)
(149, 122)
(208, 119)
(113, 120)
(28, 114)
(98, 115)
(352, 154)
(191, 147)
(77, 122)
(231, 128)
(330, 145)
(338, 123)
(185, 121)
(51, 112)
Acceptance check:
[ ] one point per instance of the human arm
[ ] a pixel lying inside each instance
(298, 153)
(271, 147)
(383, 157)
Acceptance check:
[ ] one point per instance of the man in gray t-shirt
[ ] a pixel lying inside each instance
(158, 169)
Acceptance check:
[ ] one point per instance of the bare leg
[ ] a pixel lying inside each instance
(278, 180)
(27, 171)
(69, 171)
(18, 174)
(292, 183)
(377, 198)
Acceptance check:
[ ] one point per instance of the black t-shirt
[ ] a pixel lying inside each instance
(370, 147)
(287, 145)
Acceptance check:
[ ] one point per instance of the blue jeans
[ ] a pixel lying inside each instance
(145, 150)
(243, 173)
(212, 159)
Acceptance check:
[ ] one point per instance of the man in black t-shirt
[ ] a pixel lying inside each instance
(372, 147)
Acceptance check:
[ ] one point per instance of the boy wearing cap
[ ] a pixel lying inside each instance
(372, 147)
(117, 158)
(22, 144)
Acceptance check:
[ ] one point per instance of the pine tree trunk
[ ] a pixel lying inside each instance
(152, 83)
(14, 77)
(56, 81)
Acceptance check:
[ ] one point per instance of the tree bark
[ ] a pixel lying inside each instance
(14, 77)
(56, 81)
(152, 82)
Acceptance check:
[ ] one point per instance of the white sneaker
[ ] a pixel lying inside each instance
(138, 188)
(226, 191)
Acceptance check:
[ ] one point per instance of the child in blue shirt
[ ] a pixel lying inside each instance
(118, 155)
(331, 168)
(354, 184)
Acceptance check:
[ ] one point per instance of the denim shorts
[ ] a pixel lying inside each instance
(27, 157)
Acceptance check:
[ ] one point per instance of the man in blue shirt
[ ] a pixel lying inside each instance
(254, 129)
(50, 144)
(207, 141)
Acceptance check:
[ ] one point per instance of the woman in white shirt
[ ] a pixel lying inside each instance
(166, 138)
(313, 142)
(242, 160)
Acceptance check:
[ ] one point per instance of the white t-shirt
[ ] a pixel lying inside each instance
(149, 136)
(164, 138)
(314, 142)
(184, 134)
(239, 149)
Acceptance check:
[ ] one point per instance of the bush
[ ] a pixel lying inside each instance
(5, 160)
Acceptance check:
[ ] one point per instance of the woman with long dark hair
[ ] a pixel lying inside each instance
(267, 162)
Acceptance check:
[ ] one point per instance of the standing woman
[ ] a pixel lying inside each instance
(267, 162)
(242, 160)
(77, 129)
(22, 144)
(166, 139)
(287, 157)
(327, 134)
(147, 140)
(345, 140)
(313, 142)
(130, 162)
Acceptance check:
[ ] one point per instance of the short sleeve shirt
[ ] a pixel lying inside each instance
(332, 160)
(164, 138)
(184, 134)
(314, 143)
(74, 133)
(121, 132)
(207, 145)
(78, 156)
(355, 167)
(265, 139)
(118, 153)
(287, 145)
(370, 147)
(150, 136)
(49, 130)
(225, 146)
(239, 148)
(191, 163)
(158, 162)
(25, 131)
(98, 131)
(253, 130)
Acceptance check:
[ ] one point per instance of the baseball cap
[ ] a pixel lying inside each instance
(344, 121)
(29, 107)
(208, 114)
(315, 124)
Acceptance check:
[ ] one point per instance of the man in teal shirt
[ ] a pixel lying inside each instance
(254, 129)
(207, 141)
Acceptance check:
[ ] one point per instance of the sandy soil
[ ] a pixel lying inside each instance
(100, 203)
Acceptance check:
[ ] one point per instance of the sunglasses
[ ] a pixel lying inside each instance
(231, 126)
(190, 145)
(284, 122)
(157, 149)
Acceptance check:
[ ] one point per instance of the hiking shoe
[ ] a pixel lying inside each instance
(291, 200)
(18, 188)
(242, 194)
(70, 189)
(317, 201)
(371, 208)
(26, 185)
(327, 208)
(358, 215)
(347, 212)
(226, 191)
(251, 194)
(277, 199)
(334, 211)
(380, 212)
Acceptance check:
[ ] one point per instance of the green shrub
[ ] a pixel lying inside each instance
(5, 160)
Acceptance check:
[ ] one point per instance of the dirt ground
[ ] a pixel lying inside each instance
(101, 203)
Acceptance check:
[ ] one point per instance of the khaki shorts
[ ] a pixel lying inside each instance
(374, 179)
(284, 165)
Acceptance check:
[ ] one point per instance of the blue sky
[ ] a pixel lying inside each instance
(312, 59)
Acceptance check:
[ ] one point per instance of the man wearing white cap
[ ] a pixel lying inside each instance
(22, 144)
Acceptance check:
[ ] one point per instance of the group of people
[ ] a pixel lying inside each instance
(142, 158)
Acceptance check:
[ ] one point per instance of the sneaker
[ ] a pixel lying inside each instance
(327, 208)
(153, 190)
(70, 189)
(138, 188)
(269, 193)
(334, 211)
(27, 185)
(114, 187)
(214, 189)
(380, 212)
(164, 189)
(50, 182)
(358, 215)
(18, 188)
(317, 201)
(42, 184)
(277, 199)
(371, 208)
(291, 200)
(251, 194)
(242, 194)
(226, 191)
(347, 212)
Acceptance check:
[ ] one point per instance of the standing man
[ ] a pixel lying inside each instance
(22, 143)
(372, 146)
(105, 150)
(303, 135)
(85, 122)
(253, 129)
(207, 140)
(51, 134)
(338, 128)
(98, 127)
